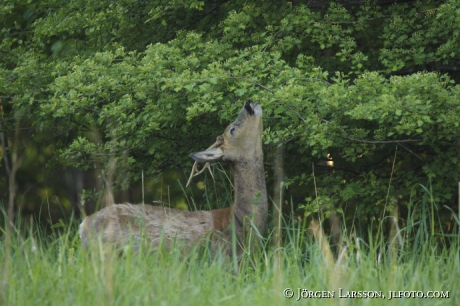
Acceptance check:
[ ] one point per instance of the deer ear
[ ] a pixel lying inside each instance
(209, 155)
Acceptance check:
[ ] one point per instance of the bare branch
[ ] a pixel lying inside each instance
(381, 141)
(206, 166)
(195, 171)
(410, 151)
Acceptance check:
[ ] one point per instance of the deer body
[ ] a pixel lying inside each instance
(241, 146)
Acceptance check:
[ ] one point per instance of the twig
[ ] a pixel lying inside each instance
(195, 171)
(381, 141)
(410, 151)
(389, 182)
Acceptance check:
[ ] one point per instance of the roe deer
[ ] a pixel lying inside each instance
(241, 146)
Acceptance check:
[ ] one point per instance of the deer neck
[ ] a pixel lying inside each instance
(250, 198)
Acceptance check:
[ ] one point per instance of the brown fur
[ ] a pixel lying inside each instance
(241, 146)
(221, 218)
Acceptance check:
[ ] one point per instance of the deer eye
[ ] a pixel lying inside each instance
(232, 131)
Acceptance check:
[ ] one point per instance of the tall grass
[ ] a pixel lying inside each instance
(41, 268)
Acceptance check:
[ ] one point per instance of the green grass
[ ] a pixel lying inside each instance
(40, 269)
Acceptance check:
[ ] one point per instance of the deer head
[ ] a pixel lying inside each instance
(241, 140)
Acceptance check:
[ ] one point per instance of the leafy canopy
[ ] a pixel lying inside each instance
(372, 85)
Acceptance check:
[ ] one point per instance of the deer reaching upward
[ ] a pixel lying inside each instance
(241, 147)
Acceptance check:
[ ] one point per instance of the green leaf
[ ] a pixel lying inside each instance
(240, 92)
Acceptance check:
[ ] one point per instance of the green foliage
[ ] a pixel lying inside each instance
(145, 83)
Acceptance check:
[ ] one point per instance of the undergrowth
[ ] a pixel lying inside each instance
(41, 267)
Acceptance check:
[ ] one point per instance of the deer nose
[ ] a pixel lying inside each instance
(249, 107)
